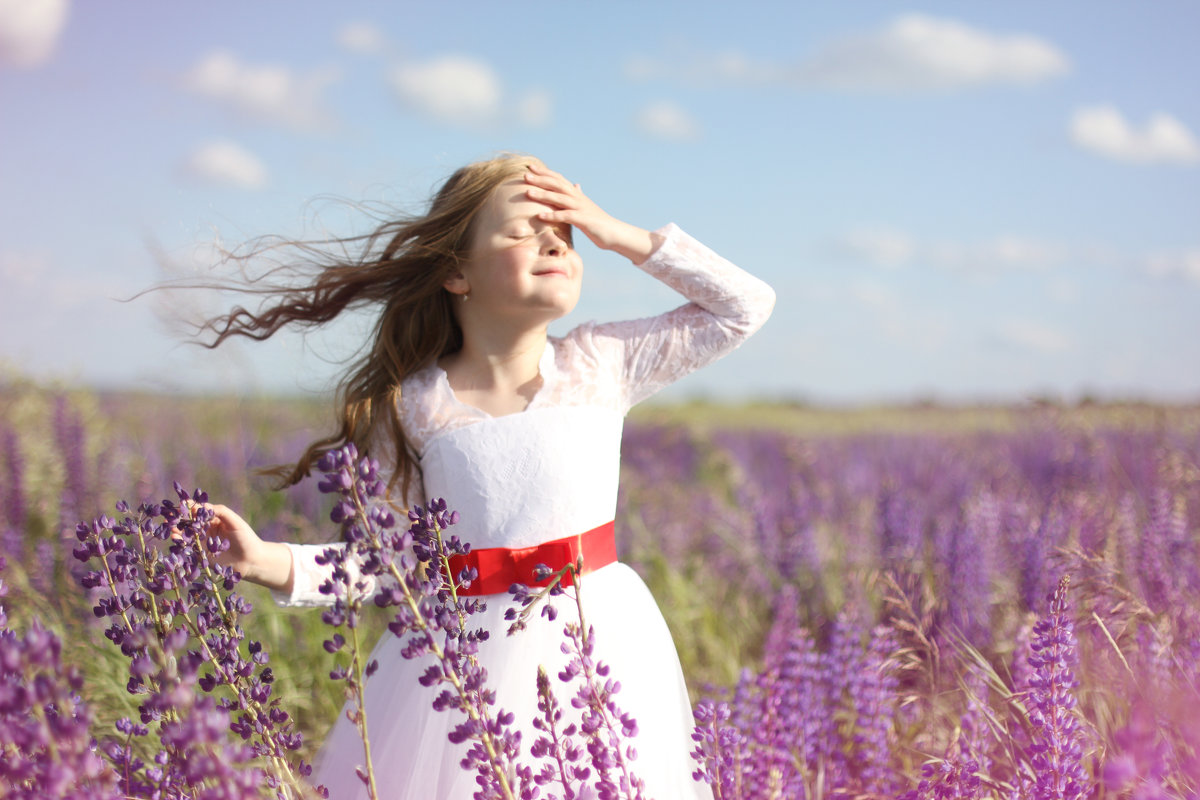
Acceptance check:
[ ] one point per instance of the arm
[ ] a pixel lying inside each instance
(306, 576)
(726, 304)
(289, 570)
(268, 564)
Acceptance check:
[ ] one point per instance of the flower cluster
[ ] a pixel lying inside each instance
(377, 560)
(563, 755)
(873, 691)
(972, 518)
(605, 727)
(173, 613)
(811, 722)
(411, 571)
(46, 749)
(1056, 752)
(953, 779)
(719, 749)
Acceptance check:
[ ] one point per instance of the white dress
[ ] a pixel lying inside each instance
(525, 478)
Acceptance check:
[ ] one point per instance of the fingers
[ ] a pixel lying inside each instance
(559, 200)
(547, 179)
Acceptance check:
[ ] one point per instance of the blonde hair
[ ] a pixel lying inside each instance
(401, 269)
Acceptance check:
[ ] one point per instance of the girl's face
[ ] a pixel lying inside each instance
(520, 266)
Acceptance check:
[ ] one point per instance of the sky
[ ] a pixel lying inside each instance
(962, 202)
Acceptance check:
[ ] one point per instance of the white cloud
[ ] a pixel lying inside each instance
(915, 52)
(667, 121)
(873, 295)
(454, 89)
(535, 109)
(1183, 264)
(730, 67)
(362, 38)
(1035, 336)
(33, 281)
(892, 248)
(1104, 130)
(884, 247)
(29, 30)
(1002, 253)
(269, 92)
(918, 52)
(226, 163)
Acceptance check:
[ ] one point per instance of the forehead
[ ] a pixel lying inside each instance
(508, 202)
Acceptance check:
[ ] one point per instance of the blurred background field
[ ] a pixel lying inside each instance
(759, 528)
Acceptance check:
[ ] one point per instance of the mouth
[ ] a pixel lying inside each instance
(545, 272)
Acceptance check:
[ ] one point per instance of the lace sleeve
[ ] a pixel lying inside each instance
(727, 305)
(308, 575)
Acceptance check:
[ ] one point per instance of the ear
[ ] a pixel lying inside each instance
(457, 284)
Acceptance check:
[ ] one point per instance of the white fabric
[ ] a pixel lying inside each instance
(534, 476)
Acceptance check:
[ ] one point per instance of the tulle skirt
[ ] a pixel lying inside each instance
(414, 759)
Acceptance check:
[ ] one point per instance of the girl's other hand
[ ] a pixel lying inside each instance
(567, 203)
(258, 561)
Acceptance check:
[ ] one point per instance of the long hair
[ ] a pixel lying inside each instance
(400, 269)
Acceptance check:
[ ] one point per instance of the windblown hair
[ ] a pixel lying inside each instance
(400, 269)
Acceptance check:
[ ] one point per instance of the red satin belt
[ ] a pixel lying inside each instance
(501, 567)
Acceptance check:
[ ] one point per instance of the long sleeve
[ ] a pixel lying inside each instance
(308, 575)
(726, 306)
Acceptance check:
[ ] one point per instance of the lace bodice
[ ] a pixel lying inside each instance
(616, 365)
(551, 469)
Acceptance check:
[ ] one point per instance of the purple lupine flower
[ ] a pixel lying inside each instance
(839, 664)
(557, 745)
(69, 436)
(12, 499)
(951, 779)
(1162, 547)
(430, 615)
(46, 750)
(873, 696)
(173, 614)
(974, 740)
(783, 715)
(719, 751)
(1138, 758)
(900, 529)
(1033, 547)
(605, 727)
(1056, 750)
(967, 558)
(1020, 670)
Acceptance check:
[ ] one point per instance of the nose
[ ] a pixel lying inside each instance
(553, 243)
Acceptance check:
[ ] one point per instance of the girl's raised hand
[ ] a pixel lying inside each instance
(567, 203)
(258, 561)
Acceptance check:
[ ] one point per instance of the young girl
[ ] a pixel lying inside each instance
(469, 399)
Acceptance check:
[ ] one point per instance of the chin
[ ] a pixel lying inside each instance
(562, 304)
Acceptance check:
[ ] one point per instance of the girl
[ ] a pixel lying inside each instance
(469, 399)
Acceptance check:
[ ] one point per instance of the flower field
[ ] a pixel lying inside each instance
(923, 603)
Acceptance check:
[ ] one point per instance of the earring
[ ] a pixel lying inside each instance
(465, 296)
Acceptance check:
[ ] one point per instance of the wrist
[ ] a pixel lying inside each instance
(273, 567)
(636, 244)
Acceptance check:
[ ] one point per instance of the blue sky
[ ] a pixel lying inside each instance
(962, 201)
